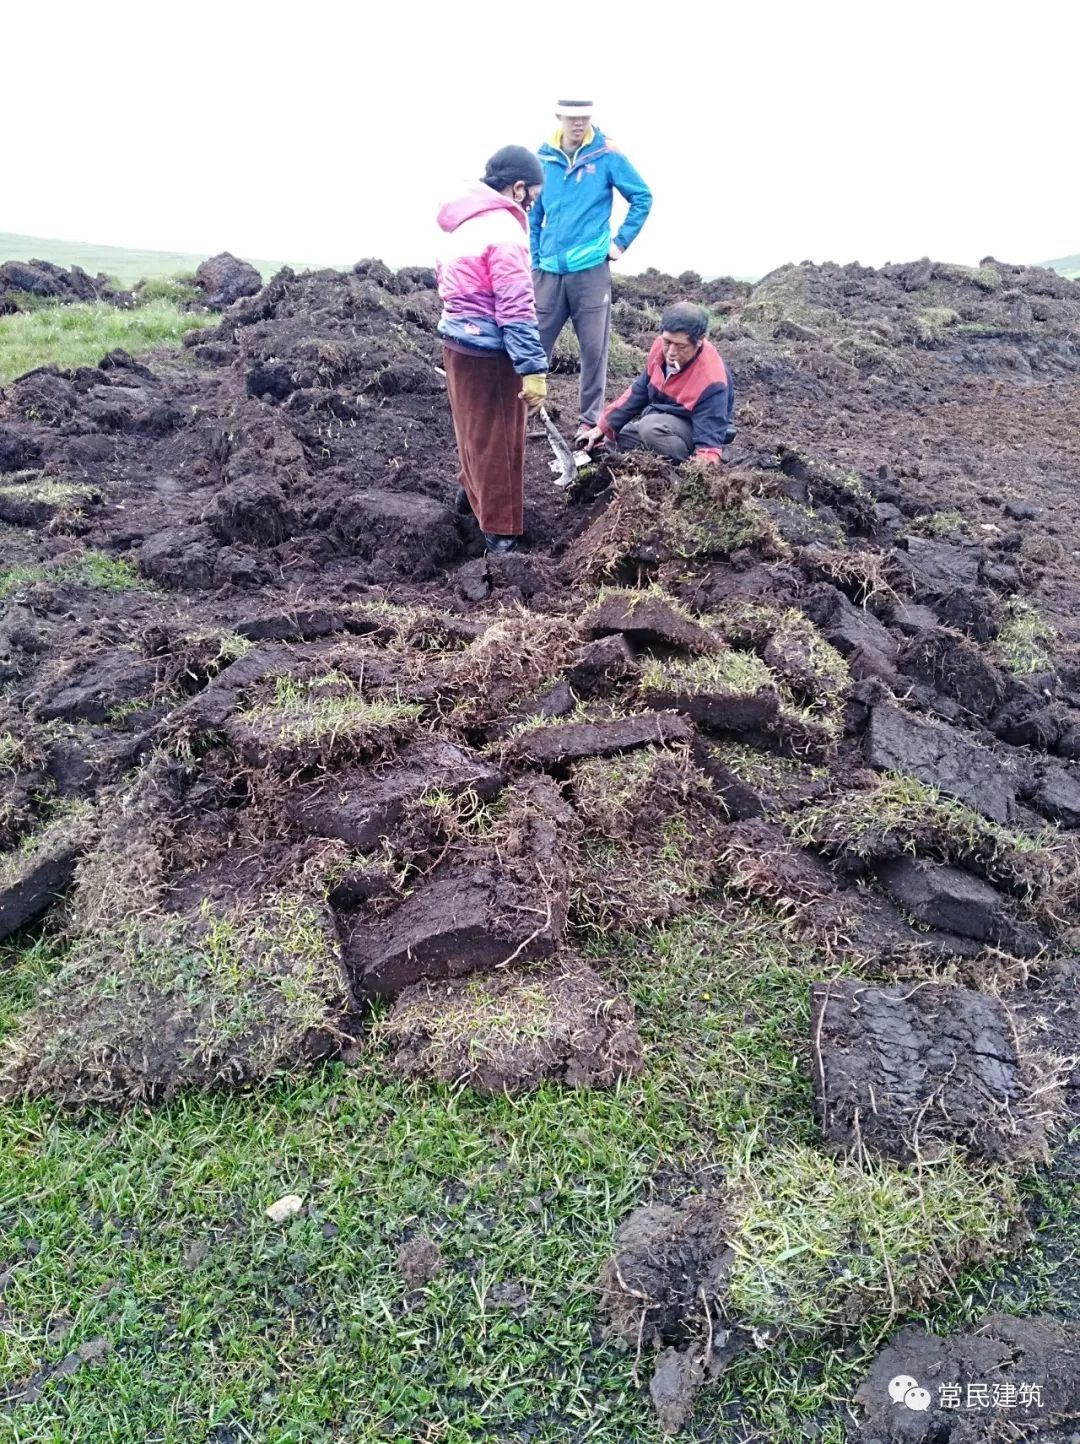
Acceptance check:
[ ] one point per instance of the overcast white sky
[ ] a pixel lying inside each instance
(769, 132)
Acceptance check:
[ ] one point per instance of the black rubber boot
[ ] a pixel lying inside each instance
(461, 502)
(500, 544)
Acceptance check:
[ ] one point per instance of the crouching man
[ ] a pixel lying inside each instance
(682, 403)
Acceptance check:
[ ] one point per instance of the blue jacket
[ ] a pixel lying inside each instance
(570, 224)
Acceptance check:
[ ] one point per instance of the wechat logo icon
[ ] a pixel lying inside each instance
(905, 1390)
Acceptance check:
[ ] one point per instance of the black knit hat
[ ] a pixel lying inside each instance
(513, 163)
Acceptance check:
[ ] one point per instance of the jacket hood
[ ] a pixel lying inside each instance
(478, 200)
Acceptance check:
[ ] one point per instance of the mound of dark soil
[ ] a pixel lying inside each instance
(224, 279)
(1010, 1378)
(23, 282)
(664, 1289)
(668, 1270)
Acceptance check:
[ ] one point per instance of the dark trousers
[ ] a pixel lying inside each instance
(489, 423)
(584, 299)
(661, 432)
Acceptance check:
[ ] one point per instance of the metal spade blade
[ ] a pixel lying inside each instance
(563, 468)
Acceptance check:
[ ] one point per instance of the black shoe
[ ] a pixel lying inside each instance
(500, 544)
(462, 505)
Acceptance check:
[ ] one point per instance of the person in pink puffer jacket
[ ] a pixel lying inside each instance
(493, 358)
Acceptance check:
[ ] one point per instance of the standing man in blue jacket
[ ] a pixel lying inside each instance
(572, 244)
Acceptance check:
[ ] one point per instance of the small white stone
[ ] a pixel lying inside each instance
(285, 1208)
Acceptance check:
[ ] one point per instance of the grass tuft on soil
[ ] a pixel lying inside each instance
(34, 486)
(650, 836)
(704, 513)
(66, 825)
(325, 710)
(624, 359)
(161, 1001)
(824, 1242)
(813, 721)
(902, 816)
(509, 1031)
(90, 569)
(1025, 641)
(82, 333)
(17, 752)
(933, 324)
(738, 674)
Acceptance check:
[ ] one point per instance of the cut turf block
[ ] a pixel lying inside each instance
(941, 757)
(300, 625)
(648, 621)
(361, 807)
(40, 872)
(511, 1030)
(462, 920)
(234, 991)
(1058, 795)
(758, 715)
(558, 744)
(936, 567)
(849, 628)
(91, 689)
(902, 1070)
(956, 668)
(601, 666)
(418, 533)
(499, 902)
(957, 902)
(211, 707)
(1008, 1372)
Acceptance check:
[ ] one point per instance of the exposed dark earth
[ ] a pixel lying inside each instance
(287, 756)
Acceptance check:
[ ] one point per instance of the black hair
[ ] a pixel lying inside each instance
(513, 163)
(685, 316)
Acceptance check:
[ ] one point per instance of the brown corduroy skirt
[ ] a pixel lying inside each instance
(489, 423)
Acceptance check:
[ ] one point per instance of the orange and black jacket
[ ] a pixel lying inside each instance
(701, 392)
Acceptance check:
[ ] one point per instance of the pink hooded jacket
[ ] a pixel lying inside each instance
(485, 281)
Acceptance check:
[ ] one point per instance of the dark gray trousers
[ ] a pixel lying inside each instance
(584, 299)
(658, 431)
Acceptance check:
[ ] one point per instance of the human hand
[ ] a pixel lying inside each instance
(533, 390)
(614, 252)
(591, 438)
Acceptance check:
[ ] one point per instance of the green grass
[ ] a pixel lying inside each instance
(897, 1232)
(739, 674)
(148, 1230)
(941, 523)
(126, 265)
(12, 752)
(179, 289)
(91, 569)
(1025, 641)
(624, 360)
(325, 708)
(45, 489)
(81, 334)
